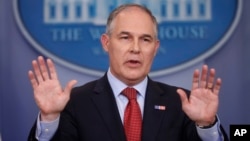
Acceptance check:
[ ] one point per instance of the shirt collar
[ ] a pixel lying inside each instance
(117, 85)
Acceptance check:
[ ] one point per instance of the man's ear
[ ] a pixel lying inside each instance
(105, 41)
(157, 45)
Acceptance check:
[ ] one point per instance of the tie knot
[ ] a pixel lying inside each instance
(130, 93)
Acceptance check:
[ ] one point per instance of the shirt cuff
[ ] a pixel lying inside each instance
(211, 134)
(45, 130)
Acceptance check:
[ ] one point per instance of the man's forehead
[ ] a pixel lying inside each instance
(133, 19)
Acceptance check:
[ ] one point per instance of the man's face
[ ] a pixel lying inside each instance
(131, 45)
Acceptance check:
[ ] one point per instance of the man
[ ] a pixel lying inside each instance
(97, 110)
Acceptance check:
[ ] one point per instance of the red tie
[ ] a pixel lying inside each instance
(132, 117)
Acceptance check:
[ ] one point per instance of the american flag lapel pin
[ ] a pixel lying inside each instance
(160, 107)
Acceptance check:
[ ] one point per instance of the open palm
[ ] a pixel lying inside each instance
(202, 104)
(50, 97)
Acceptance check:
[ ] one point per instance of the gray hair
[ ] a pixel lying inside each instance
(119, 9)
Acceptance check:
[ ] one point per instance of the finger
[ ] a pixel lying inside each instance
(217, 86)
(52, 69)
(37, 71)
(33, 80)
(43, 68)
(203, 80)
(69, 86)
(211, 78)
(195, 83)
(183, 96)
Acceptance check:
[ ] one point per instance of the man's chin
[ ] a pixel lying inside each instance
(135, 77)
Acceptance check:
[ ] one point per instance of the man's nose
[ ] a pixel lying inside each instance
(136, 46)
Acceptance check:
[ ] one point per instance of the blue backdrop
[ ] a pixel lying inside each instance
(18, 110)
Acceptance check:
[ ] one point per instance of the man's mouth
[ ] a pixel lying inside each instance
(133, 63)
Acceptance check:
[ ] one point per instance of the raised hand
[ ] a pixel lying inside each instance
(50, 97)
(202, 104)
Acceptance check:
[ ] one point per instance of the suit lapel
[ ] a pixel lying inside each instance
(154, 110)
(107, 107)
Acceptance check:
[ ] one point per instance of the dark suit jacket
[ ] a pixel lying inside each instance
(92, 115)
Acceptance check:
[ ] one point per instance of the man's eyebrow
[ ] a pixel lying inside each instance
(124, 32)
(147, 36)
(143, 35)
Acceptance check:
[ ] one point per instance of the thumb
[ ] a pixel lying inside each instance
(69, 86)
(183, 96)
